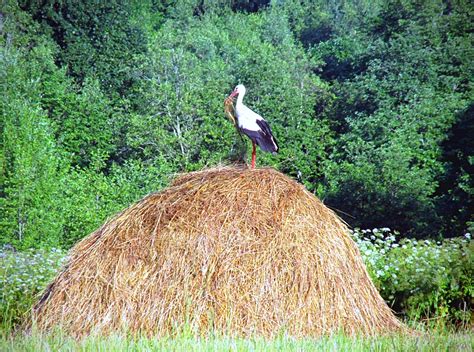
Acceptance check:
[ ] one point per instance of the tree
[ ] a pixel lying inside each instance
(455, 202)
(97, 39)
(393, 115)
(31, 163)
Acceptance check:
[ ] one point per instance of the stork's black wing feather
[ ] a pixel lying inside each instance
(263, 137)
(268, 141)
(264, 126)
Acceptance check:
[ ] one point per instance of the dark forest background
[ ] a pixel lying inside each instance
(104, 101)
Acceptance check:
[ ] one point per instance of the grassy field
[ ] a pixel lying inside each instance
(424, 342)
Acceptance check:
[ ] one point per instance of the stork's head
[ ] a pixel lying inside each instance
(238, 90)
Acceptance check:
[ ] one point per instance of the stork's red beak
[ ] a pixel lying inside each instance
(234, 93)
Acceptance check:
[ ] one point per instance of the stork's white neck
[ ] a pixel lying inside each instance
(240, 98)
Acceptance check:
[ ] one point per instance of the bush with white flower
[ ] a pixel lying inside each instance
(23, 275)
(421, 278)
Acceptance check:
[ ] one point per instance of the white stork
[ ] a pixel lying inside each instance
(253, 126)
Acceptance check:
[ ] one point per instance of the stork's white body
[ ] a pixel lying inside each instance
(246, 118)
(252, 124)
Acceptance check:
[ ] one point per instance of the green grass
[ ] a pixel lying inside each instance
(425, 342)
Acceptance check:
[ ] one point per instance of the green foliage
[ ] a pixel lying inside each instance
(104, 101)
(83, 119)
(90, 197)
(456, 190)
(393, 113)
(57, 142)
(31, 161)
(97, 39)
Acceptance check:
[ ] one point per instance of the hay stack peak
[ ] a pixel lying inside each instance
(237, 251)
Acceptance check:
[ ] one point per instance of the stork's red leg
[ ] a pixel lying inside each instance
(254, 155)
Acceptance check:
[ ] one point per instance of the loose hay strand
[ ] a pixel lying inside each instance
(228, 250)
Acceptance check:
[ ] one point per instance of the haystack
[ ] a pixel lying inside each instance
(236, 251)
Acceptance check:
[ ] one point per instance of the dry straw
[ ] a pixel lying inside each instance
(233, 251)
